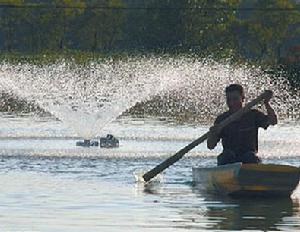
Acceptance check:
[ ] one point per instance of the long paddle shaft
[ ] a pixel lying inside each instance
(171, 160)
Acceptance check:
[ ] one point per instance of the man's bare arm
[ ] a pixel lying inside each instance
(271, 114)
(270, 111)
(213, 137)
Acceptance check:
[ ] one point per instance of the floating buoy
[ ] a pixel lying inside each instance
(105, 142)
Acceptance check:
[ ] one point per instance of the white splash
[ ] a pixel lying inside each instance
(87, 98)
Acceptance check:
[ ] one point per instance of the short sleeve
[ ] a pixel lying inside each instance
(261, 119)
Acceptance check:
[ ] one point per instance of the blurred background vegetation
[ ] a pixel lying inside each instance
(261, 31)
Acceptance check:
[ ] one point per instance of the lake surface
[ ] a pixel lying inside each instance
(49, 184)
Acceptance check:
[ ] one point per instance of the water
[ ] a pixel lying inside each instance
(49, 184)
(86, 98)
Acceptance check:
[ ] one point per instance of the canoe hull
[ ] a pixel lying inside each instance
(248, 179)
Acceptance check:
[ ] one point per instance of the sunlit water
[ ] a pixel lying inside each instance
(86, 98)
(49, 184)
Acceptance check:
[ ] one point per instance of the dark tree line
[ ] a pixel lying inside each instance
(256, 29)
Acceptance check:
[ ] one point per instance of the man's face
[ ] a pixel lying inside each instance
(234, 100)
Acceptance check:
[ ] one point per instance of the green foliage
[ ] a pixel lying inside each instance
(267, 30)
(216, 28)
(211, 30)
(100, 29)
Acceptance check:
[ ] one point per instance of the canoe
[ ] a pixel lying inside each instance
(248, 179)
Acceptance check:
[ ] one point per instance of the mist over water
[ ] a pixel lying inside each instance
(202, 96)
(86, 98)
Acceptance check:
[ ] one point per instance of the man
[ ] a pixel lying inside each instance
(240, 138)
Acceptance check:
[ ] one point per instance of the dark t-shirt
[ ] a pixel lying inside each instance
(242, 135)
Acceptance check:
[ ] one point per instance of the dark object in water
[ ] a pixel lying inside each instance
(109, 141)
(87, 143)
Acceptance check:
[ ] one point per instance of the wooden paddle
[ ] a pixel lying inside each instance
(171, 160)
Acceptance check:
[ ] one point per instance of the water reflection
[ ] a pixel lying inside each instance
(193, 210)
(227, 213)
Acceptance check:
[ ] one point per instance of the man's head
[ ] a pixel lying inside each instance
(234, 96)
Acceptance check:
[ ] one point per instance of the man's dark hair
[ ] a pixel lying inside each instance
(235, 87)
